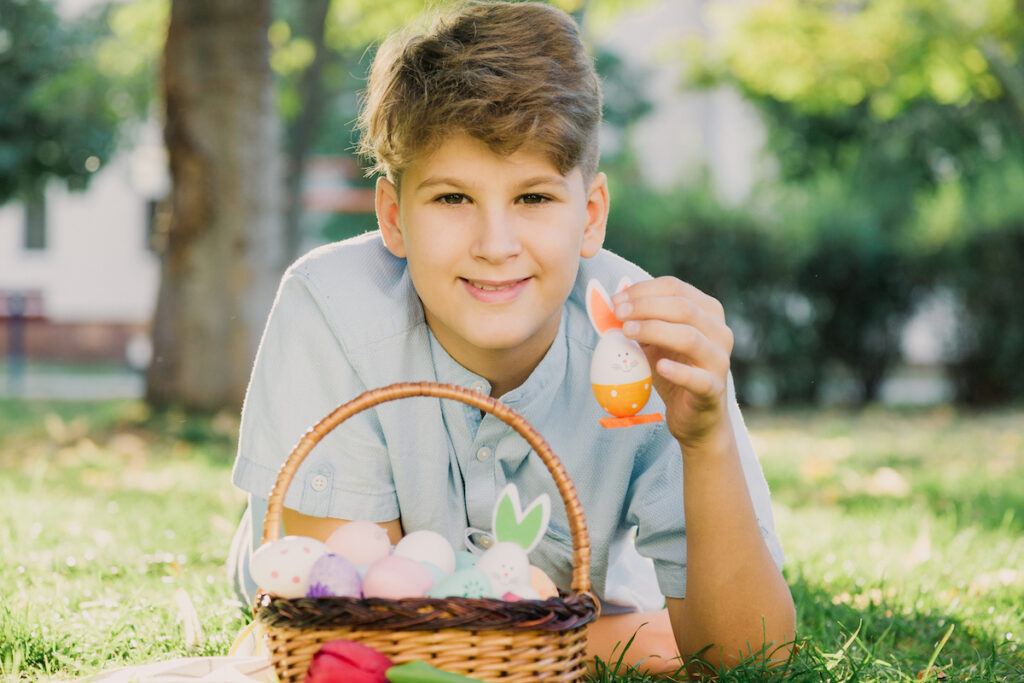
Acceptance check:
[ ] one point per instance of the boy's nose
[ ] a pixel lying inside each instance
(495, 240)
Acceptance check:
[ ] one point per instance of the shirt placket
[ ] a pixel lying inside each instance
(482, 471)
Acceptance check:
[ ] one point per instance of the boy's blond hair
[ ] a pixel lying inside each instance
(509, 74)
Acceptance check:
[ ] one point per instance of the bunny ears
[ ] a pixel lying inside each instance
(599, 305)
(512, 523)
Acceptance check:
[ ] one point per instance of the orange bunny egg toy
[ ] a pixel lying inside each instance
(619, 372)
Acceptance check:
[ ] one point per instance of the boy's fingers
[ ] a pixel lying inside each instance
(680, 311)
(697, 381)
(679, 339)
(672, 286)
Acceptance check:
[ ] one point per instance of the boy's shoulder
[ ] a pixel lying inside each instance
(337, 262)
(361, 289)
(609, 269)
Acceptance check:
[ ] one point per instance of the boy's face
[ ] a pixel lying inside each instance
(493, 245)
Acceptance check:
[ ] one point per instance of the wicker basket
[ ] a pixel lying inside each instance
(488, 639)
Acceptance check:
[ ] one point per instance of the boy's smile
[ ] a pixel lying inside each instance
(493, 246)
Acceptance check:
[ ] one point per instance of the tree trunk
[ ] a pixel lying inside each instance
(222, 256)
(303, 131)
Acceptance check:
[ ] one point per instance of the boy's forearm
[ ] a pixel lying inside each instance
(736, 599)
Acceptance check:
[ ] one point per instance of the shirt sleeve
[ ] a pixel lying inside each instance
(756, 483)
(300, 375)
(656, 506)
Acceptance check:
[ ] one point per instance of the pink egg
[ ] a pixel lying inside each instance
(395, 577)
(360, 542)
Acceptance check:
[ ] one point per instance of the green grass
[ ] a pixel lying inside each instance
(109, 514)
(904, 534)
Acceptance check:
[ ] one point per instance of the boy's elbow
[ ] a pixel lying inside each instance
(764, 643)
(768, 644)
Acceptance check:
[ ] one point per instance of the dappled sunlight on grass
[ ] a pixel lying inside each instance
(900, 524)
(110, 517)
(967, 468)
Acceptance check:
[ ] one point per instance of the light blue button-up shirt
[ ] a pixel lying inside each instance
(347, 319)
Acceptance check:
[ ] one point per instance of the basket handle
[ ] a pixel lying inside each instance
(373, 397)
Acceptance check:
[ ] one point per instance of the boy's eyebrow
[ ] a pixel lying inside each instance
(551, 179)
(431, 182)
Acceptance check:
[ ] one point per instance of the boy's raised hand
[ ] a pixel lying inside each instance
(683, 332)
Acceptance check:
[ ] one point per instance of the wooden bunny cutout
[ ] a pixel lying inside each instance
(516, 533)
(619, 372)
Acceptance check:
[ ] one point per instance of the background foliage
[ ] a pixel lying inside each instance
(896, 130)
(64, 98)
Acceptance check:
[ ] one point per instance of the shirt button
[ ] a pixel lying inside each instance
(479, 386)
(483, 454)
(318, 483)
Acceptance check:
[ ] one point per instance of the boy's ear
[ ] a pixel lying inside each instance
(386, 206)
(597, 216)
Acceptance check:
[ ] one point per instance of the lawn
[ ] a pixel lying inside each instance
(904, 534)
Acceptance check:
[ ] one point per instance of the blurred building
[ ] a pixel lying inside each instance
(78, 276)
(688, 132)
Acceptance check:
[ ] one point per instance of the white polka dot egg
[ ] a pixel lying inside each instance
(282, 567)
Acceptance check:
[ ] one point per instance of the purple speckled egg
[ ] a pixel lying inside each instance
(333, 575)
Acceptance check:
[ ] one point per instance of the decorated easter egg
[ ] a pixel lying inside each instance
(282, 567)
(507, 565)
(360, 542)
(542, 583)
(464, 583)
(436, 574)
(395, 577)
(333, 575)
(620, 374)
(349, 661)
(427, 546)
(464, 559)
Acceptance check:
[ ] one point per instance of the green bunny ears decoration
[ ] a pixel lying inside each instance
(524, 528)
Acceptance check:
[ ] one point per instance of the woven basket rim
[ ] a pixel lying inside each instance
(562, 613)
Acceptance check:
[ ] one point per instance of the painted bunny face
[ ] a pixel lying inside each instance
(507, 565)
(618, 360)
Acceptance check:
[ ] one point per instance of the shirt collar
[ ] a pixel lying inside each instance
(528, 398)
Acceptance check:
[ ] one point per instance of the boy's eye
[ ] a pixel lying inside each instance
(452, 199)
(533, 199)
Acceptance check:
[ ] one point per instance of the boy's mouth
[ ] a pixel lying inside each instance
(492, 291)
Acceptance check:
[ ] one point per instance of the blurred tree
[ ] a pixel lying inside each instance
(59, 109)
(302, 123)
(222, 257)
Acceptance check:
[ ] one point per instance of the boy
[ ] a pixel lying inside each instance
(492, 216)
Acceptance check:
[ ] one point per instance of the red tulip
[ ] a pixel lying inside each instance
(346, 661)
